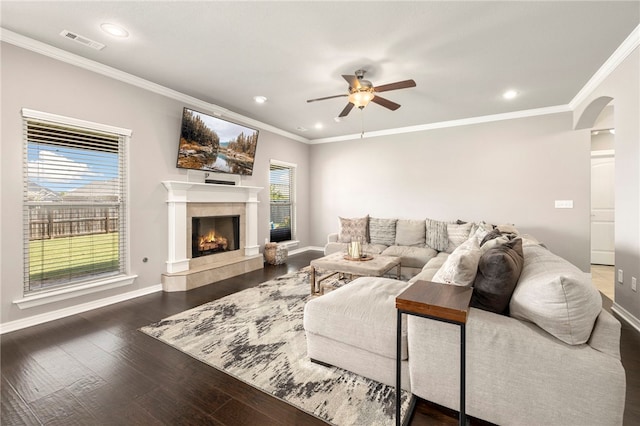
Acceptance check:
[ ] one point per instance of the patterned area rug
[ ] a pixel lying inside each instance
(257, 336)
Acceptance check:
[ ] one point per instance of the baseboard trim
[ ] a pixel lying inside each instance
(626, 316)
(307, 248)
(73, 310)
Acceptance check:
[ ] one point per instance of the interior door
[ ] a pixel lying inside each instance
(602, 208)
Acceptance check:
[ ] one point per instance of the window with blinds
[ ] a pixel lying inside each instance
(74, 202)
(281, 183)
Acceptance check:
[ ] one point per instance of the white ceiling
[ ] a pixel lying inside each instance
(462, 55)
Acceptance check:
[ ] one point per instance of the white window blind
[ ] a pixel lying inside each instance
(281, 182)
(74, 202)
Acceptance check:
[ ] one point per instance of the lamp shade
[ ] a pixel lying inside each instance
(361, 98)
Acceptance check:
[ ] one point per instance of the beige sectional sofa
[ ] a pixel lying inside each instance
(550, 358)
(415, 241)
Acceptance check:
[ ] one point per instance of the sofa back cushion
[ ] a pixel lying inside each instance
(555, 295)
(410, 232)
(382, 231)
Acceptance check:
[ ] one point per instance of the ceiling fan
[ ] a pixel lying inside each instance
(361, 92)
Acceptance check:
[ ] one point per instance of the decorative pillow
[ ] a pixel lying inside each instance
(490, 236)
(508, 228)
(457, 234)
(436, 236)
(555, 295)
(461, 266)
(382, 231)
(410, 233)
(352, 229)
(499, 269)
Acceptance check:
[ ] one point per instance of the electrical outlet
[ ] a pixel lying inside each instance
(620, 276)
(634, 284)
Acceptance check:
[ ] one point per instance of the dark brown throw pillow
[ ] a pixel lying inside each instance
(498, 273)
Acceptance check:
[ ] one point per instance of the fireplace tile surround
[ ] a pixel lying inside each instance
(187, 200)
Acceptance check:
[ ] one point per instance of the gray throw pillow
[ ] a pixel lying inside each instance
(382, 231)
(498, 272)
(437, 237)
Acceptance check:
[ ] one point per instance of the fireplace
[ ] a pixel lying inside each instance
(189, 200)
(214, 234)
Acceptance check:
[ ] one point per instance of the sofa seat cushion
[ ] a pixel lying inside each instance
(429, 270)
(555, 295)
(411, 257)
(361, 314)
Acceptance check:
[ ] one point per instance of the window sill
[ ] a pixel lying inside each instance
(75, 291)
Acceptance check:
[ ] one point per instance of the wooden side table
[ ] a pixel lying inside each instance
(440, 302)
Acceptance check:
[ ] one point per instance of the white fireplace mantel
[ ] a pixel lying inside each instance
(182, 193)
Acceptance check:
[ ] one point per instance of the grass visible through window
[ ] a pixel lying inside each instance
(52, 262)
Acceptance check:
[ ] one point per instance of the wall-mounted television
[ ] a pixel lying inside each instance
(211, 144)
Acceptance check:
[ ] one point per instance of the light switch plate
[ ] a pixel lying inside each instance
(564, 204)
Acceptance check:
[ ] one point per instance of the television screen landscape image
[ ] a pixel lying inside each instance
(212, 144)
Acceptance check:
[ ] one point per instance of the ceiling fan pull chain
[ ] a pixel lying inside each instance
(362, 123)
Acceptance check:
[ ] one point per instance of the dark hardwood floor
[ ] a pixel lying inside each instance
(97, 368)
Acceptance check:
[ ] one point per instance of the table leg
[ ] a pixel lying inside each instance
(398, 271)
(463, 356)
(398, 365)
(312, 280)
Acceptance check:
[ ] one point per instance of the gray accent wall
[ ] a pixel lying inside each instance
(33, 81)
(509, 171)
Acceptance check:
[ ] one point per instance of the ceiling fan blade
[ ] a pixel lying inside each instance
(327, 97)
(353, 81)
(395, 86)
(385, 103)
(347, 110)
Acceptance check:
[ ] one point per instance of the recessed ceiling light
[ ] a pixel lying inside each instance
(260, 99)
(114, 30)
(301, 129)
(510, 94)
(318, 126)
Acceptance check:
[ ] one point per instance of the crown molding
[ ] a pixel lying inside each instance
(447, 124)
(88, 64)
(619, 55)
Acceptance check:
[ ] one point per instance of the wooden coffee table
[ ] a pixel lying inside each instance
(377, 266)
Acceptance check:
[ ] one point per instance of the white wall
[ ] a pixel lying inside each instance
(30, 80)
(502, 172)
(623, 85)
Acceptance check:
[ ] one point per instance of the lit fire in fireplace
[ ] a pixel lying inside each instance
(211, 241)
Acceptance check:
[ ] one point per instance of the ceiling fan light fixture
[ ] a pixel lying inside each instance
(361, 98)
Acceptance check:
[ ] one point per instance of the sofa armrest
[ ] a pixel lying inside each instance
(605, 336)
(332, 238)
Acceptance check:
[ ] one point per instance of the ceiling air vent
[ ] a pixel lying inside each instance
(82, 40)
